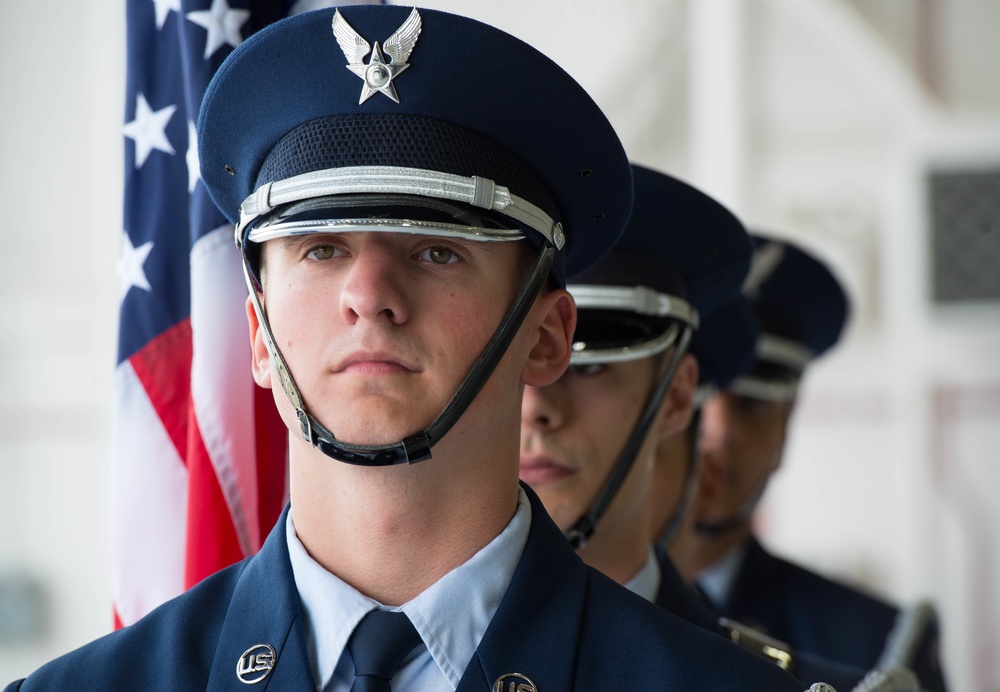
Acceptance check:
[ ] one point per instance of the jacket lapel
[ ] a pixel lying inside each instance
(535, 631)
(756, 587)
(264, 612)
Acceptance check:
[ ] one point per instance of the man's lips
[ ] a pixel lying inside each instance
(542, 468)
(374, 363)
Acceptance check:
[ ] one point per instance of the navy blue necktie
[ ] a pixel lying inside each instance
(378, 646)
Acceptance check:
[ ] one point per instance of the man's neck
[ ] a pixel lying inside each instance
(618, 554)
(391, 532)
(693, 551)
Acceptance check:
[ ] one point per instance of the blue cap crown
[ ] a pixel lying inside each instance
(795, 296)
(726, 343)
(679, 242)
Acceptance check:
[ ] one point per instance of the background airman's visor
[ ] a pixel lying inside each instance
(621, 323)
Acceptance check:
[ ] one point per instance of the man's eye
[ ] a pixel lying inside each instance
(587, 369)
(438, 254)
(751, 406)
(321, 252)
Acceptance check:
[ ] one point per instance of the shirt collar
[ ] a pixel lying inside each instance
(717, 580)
(646, 582)
(451, 616)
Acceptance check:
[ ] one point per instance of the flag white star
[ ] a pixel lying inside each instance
(149, 130)
(129, 267)
(163, 8)
(223, 24)
(194, 166)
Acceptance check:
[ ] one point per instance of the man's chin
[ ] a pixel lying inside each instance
(368, 437)
(376, 421)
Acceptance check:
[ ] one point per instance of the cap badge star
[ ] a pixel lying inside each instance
(377, 74)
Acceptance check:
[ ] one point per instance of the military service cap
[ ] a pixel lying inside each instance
(801, 309)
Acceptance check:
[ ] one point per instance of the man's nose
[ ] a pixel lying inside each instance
(374, 284)
(544, 407)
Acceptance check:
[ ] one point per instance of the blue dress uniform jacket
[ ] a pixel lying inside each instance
(561, 624)
(678, 598)
(820, 616)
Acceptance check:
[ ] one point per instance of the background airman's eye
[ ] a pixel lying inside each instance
(587, 369)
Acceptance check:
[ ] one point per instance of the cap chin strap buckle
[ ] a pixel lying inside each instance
(583, 529)
(417, 447)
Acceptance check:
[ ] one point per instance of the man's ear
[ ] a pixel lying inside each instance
(678, 406)
(549, 356)
(260, 359)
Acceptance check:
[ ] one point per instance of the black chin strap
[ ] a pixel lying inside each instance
(416, 447)
(583, 529)
(690, 485)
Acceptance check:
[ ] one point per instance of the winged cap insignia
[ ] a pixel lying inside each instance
(377, 74)
(763, 263)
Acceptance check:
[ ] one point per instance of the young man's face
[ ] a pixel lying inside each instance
(379, 329)
(573, 431)
(741, 443)
(671, 467)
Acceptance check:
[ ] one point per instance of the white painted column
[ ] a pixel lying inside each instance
(717, 34)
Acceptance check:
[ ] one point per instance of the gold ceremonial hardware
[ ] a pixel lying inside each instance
(759, 643)
(514, 682)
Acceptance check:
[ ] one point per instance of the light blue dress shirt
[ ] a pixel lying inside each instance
(646, 582)
(451, 616)
(717, 580)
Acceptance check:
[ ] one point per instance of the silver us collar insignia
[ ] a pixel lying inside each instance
(256, 663)
(377, 74)
(514, 682)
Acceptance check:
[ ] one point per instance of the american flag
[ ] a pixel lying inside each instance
(199, 453)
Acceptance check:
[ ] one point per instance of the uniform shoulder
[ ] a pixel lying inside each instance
(144, 655)
(836, 594)
(651, 648)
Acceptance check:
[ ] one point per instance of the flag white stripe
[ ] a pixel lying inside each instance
(148, 504)
(221, 385)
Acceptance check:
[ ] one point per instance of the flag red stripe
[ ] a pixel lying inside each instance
(212, 542)
(272, 460)
(163, 366)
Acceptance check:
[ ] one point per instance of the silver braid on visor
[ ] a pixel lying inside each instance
(638, 300)
(786, 354)
(476, 191)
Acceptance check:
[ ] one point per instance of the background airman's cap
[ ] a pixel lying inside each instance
(725, 344)
(801, 309)
(682, 256)
(412, 105)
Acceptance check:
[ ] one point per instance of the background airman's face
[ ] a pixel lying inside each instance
(572, 433)
(742, 439)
